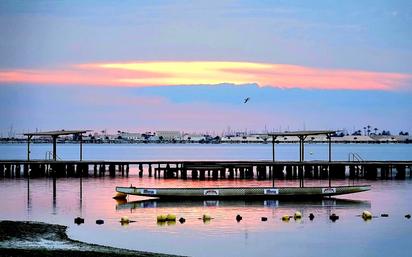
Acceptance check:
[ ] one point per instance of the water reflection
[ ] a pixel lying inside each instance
(91, 199)
(319, 203)
(29, 204)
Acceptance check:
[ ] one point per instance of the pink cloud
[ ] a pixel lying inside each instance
(146, 74)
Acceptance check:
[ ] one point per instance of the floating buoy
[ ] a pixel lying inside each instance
(99, 222)
(238, 218)
(120, 196)
(171, 222)
(311, 153)
(384, 215)
(366, 215)
(206, 217)
(285, 218)
(125, 220)
(161, 223)
(120, 201)
(182, 220)
(297, 215)
(78, 220)
(171, 217)
(161, 218)
(333, 217)
(408, 216)
(311, 216)
(264, 219)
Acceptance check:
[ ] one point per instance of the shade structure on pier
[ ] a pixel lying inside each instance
(302, 135)
(55, 134)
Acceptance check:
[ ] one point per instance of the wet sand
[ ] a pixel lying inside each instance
(21, 238)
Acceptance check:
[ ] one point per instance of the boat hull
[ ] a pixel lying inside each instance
(243, 192)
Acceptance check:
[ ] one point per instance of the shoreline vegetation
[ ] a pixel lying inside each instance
(32, 239)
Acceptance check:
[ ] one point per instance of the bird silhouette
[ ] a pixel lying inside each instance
(246, 100)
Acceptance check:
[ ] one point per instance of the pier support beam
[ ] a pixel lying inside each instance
(150, 171)
(195, 174)
(54, 147)
(400, 172)
(1, 170)
(28, 146)
(102, 171)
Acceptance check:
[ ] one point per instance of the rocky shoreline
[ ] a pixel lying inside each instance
(24, 238)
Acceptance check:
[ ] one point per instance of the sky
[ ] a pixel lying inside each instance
(188, 65)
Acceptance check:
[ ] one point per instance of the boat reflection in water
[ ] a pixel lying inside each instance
(318, 203)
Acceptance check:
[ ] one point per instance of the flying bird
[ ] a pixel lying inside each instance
(246, 100)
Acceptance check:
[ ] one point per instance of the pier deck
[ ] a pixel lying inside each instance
(220, 169)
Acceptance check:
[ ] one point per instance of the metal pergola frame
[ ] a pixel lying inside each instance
(302, 135)
(54, 135)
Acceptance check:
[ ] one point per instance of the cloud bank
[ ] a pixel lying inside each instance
(171, 73)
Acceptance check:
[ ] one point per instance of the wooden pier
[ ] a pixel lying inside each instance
(202, 170)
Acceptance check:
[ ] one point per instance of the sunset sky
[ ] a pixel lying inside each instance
(188, 65)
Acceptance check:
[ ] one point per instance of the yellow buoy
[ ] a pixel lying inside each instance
(120, 196)
(298, 215)
(171, 217)
(206, 217)
(171, 222)
(161, 223)
(366, 215)
(124, 220)
(161, 218)
(285, 218)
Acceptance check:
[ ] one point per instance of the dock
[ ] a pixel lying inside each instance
(202, 170)
(355, 168)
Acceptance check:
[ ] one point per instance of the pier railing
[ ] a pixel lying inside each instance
(355, 157)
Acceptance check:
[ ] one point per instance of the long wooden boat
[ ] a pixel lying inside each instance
(240, 192)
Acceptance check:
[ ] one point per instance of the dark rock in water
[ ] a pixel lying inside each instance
(238, 218)
(333, 217)
(311, 216)
(78, 220)
(384, 215)
(99, 222)
(182, 220)
(408, 216)
(264, 218)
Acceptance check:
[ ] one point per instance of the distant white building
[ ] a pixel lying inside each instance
(131, 136)
(353, 138)
(169, 135)
(243, 139)
(195, 138)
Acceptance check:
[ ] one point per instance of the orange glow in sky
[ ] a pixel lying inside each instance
(145, 73)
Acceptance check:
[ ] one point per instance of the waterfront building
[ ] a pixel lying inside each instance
(131, 136)
(168, 135)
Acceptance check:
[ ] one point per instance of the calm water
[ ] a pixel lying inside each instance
(208, 152)
(223, 236)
